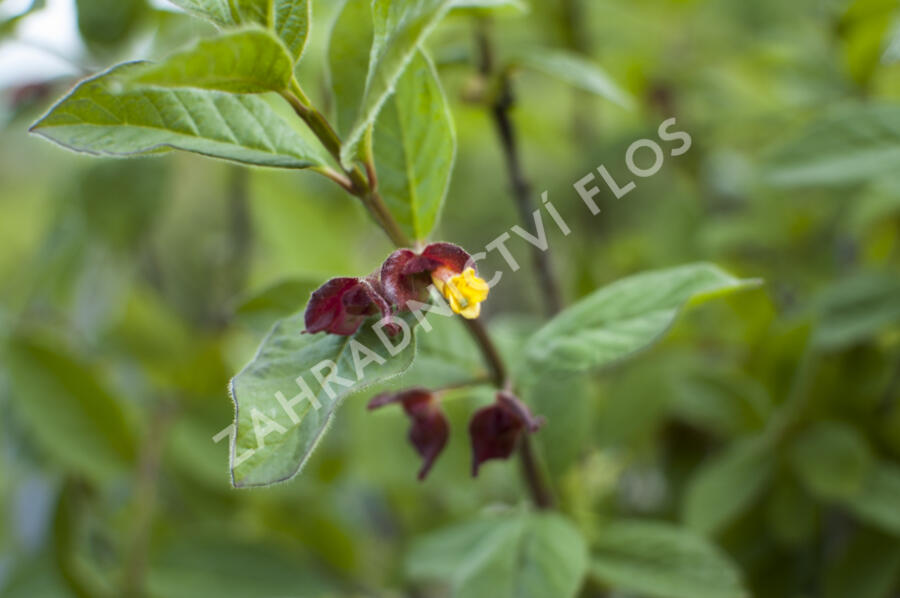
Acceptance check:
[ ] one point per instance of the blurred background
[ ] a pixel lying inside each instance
(133, 289)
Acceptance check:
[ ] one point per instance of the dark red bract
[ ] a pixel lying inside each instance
(341, 305)
(495, 430)
(405, 274)
(429, 431)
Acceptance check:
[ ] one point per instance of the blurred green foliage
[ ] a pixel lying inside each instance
(769, 422)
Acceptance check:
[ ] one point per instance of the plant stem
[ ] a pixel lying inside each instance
(489, 351)
(521, 188)
(359, 185)
(534, 479)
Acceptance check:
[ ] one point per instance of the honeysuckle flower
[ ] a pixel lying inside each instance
(495, 430)
(429, 430)
(341, 305)
(405, 276)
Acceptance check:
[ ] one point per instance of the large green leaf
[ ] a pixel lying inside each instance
(349, 46)
(832, 459)
(576, 71)
(727, 484)
(877, 502)
(661, 560)
(515, 555)
(399, 27)
(415, 146)
(101, 117)
(252, 61)
(621, 319)
(852, 143)
(289, 19)
(68, 410)
(259, 458)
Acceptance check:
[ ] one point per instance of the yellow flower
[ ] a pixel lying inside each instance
(464, 291)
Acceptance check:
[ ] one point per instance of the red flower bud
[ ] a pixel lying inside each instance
(495, 429)
(406, 274)
(341, 305)
(429, 430)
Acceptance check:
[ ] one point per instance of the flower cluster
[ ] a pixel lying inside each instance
(494, 430)
(341, 305)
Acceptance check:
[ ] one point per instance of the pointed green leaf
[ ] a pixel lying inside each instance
(623, 318)
(289, 19)
(101, 117)
(252, 61)
(68, 410)
(349, 47)
(727, 484)
(272, 443)
(577, 71)
(514, 555)
(415, 146)
(660, 560)
(847, 144)
(399, 27)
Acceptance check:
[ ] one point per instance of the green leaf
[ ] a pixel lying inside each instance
(661, 560)
(272, 443)
(289, 19)
(877, 502)
(276, 301)
(848, 144)
(252, 61)
(519, 555)
(100, 117)
(415, 146)
(856, 309)
(108, 22)
(399, 27)
(577, 71)
(349, 47)
(490, 7)
(727, 484)
(619, 320)
(832, 459)
(68, 410)
(223, 567)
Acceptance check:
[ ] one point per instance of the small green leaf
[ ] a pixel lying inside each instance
(272, 442)
(514, 555)
(727, 484)
(619, 320)
(68, 410)
(877, 502)
(415, 146)
(399, 27)
(108, 22)
(661, 560)
(289, 19)
(490, 7)
(576, 71)
(101, 117)
(832, 459)
(848, 144)
(252, 61)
